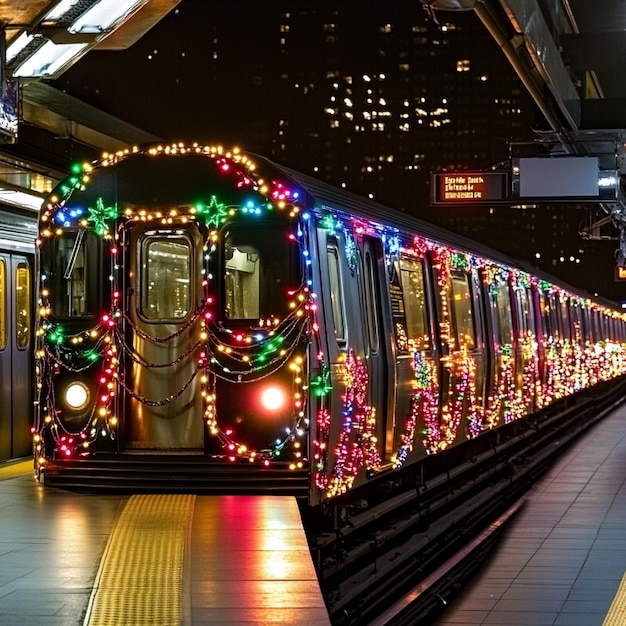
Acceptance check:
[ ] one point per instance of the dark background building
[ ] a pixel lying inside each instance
(371, 96)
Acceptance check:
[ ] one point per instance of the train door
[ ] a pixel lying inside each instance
(500, 383)
(378, 342)
(466, 357)
(163, 405)
(417, 360)
(526, 366)
(15, 355)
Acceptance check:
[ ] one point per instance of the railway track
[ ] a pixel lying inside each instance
(397, 553)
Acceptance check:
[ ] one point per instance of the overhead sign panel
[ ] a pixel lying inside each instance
(469, 187)
(560, 177)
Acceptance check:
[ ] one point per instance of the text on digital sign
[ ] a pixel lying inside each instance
(470, 187)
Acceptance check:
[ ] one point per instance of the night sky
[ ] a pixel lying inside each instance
(162, 85)
(171, 85)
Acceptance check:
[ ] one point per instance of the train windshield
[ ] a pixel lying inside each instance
(75, 275)
(260, 269)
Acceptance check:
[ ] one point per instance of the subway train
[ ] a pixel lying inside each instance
(18, 231)
(210, 304)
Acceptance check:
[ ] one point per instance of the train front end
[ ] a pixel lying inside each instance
(175, 314)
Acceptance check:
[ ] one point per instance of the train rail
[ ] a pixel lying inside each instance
(404, 556)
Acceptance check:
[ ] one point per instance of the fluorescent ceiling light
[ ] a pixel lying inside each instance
(18, 45)
(60, 10)
(21, 198)
(48, 59)
(103, 15)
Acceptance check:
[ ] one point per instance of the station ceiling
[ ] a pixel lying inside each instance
(568, 53)
(45, 37)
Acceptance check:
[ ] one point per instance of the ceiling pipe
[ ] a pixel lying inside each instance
(510, 52)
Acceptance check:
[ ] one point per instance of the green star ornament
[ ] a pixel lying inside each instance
(214, 214)
(100, 215)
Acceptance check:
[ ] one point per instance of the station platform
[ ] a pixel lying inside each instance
(562, 559)
(69, 559)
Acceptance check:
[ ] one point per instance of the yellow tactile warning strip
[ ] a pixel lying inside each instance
(617, 611)
(15, 469)
(140, 580)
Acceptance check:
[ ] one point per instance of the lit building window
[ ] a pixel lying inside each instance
(463, 65)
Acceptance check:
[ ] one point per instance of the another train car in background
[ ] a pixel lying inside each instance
(213, 308)
(18, 232)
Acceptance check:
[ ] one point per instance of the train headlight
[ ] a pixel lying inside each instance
(273, 398)
(77, 396)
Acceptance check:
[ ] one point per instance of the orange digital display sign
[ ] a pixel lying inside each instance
(620, 272)
(470, 187)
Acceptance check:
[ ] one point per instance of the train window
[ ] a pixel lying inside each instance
(3, 313)
(595, 326)
(461, 305)
(553, 311)
(564, 318)
(544, 309)
(336, 291)
(76, 281)
(584, 324)
(412, 273)
(502, 305)
(574, 315)
(165, 276)
(526, 321)
(371, 301)
(259, 271)
(22, 306)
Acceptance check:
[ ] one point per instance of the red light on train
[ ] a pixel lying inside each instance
(273, 398)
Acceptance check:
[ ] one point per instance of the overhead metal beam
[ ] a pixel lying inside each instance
(66, 116)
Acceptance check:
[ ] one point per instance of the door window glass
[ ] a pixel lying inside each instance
(462, 310)
(546, 319)
(165, 277)
(564, 317)
(526, 321)
(372, 301)
(336, 292)
(22, 306)
(412, 273)
(502, 304)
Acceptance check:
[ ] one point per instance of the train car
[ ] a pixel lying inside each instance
(210, 305)
(18, 231)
